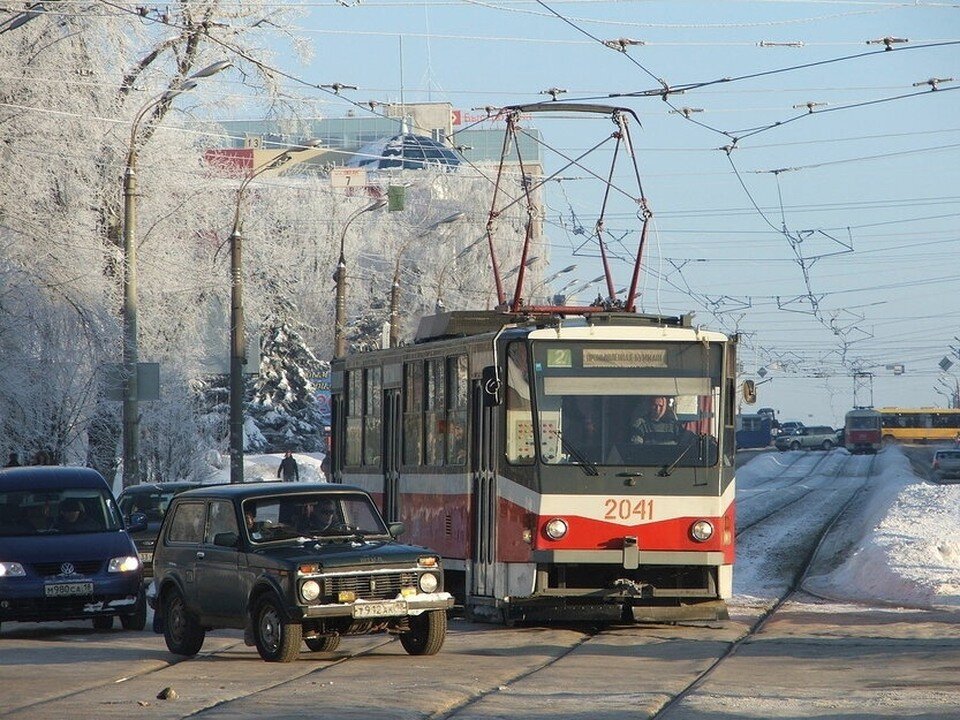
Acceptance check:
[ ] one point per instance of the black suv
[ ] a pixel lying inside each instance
(152, 500)
(292, 564)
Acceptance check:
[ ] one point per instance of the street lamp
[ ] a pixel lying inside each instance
(238, 339)
(340, 277)
(395, 286)
(443, 271)
(546, 281)
(130, 411)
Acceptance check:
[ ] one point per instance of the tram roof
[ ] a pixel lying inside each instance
(464, 323)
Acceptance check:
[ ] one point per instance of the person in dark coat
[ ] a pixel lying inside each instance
(289, 471)
(14, 460)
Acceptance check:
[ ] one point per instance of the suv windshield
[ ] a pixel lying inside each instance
(269, 519)
(56, 512)
(153, 504)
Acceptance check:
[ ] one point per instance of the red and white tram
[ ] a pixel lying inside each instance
(509, 441)
(504, 442)
(862, 430)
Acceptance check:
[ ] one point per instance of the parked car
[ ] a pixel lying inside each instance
(292, 564)
(152, 500)
(822, 437)
(790, 427)
(946, 464)
(64, 552)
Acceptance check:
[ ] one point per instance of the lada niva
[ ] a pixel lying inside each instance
(292, 564)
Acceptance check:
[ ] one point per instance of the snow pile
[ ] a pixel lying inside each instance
(910, 554)
(905, 538)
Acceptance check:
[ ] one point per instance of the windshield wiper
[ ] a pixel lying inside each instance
(665, 471)
(588, 467)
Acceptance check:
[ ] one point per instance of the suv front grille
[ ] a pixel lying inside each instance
(80, 567)
(374, 586)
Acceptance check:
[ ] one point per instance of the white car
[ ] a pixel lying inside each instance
(946, 464)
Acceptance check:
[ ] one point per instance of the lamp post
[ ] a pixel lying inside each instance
(130, 412)
(395, 286)
(446, 266)
(238, 339)
(340, 277)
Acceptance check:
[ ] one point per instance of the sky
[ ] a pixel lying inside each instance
(805, 196)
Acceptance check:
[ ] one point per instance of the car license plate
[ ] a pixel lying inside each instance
(379, 609)
(146, 557)
(67, 589)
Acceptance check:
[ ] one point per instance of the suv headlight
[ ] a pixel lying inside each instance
(11, 569)
(127, 563)
(429, 582)
(310, 590)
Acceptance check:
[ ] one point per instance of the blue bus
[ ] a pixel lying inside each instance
(754, 431)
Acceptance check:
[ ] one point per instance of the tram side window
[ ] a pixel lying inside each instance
(354, 436)
(435, 414)
(371, 415)
(457, 389)
(520, 445)
(412, 413)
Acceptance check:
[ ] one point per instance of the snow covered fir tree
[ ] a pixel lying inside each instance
(283, 412)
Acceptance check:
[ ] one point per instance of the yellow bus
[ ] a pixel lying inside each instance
(917, 425)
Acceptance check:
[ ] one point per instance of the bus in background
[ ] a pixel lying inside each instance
(919, 425)
(861, 430)
(754, 431)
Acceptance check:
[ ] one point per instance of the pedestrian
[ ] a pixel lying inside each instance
(289, 471)
(14, 460)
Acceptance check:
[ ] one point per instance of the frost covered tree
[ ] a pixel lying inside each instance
(90, 92)
(75, 80)
(283, 405)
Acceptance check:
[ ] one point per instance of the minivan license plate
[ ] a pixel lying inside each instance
(379, 609)
(66, 589)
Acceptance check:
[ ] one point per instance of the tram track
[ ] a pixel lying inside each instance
(795, 586)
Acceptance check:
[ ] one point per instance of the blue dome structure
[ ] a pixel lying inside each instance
(407, 151)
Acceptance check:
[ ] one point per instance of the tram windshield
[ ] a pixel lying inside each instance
(622, 404)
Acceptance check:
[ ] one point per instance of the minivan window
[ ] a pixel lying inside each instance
(57, 512)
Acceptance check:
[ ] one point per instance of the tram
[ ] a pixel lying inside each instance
(520, 444)
(861, 430)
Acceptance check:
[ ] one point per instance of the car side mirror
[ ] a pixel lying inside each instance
(396, 529)
(226, 539)
(137, 522)
(492, 395)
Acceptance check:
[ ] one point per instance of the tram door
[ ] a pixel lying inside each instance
(484, 500)
(391, 454)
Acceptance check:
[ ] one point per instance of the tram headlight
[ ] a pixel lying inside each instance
(701, 530)
(429, 582)
(556, 528)
(310, 590)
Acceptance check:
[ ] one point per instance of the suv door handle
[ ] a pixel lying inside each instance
(200, 554)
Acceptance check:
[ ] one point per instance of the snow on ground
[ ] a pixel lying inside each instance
(264, 468)
(907, 546)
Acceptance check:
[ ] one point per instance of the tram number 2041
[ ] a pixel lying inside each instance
(628, 509)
